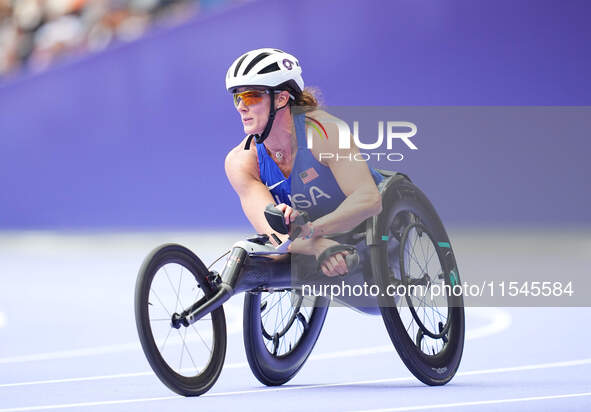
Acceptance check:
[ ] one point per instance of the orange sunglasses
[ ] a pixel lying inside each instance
(249, 97)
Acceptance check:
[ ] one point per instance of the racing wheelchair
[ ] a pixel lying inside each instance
(182, 326)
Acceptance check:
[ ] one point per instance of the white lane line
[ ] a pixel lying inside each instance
(2, 320)
(548, 365)
(233, 313)
(104, 377)
(82, 404)
(72, 353)
(324, 385)
(474, 403)
(500, 320)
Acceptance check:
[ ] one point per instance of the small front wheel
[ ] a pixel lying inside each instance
(189, 359)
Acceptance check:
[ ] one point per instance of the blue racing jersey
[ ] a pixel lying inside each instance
(311, 186)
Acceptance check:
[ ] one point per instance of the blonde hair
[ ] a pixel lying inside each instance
(308, 98)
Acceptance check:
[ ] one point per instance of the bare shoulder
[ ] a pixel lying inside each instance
(241, 165)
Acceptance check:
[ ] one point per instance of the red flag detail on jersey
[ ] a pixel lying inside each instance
(308, 175)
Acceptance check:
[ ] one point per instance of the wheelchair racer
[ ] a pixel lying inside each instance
(279, 114)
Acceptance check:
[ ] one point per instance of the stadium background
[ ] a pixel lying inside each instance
(134, 137)
(107, 154)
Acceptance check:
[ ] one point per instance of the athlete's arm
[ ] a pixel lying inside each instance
(241, 170)
(354, 179)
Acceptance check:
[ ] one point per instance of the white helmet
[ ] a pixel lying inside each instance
(266, 67)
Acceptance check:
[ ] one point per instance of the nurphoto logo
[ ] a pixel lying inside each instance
(390, 131)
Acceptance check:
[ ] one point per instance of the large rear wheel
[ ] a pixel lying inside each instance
(425, 319)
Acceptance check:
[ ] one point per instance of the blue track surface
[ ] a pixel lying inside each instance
(68, 340)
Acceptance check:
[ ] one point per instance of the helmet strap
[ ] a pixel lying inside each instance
(272, 112)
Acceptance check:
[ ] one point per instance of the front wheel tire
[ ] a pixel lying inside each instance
(188, 360)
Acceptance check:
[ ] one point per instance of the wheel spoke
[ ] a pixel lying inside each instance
(178, 293)
(172, 287)
(166, 339)
(188, 353)
(180, 357)
(161, 304)
(182, 349)
(430, 257)
(280, 332)
(424, 310)
(187, 359)
(269, 309)
(413, 256)
(201, 337)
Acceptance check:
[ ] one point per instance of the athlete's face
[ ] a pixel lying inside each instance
(254, 116)
(254, 108)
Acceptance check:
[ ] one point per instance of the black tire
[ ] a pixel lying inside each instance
(406, 209)
(273, 361)
(157, 262)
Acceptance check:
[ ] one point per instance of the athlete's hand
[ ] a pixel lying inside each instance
(334, 265)
(287, 212)
(290, 214)
(307, 229)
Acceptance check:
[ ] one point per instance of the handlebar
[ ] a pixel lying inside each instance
(277, 221)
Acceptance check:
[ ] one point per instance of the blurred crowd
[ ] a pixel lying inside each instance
(35, 33)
